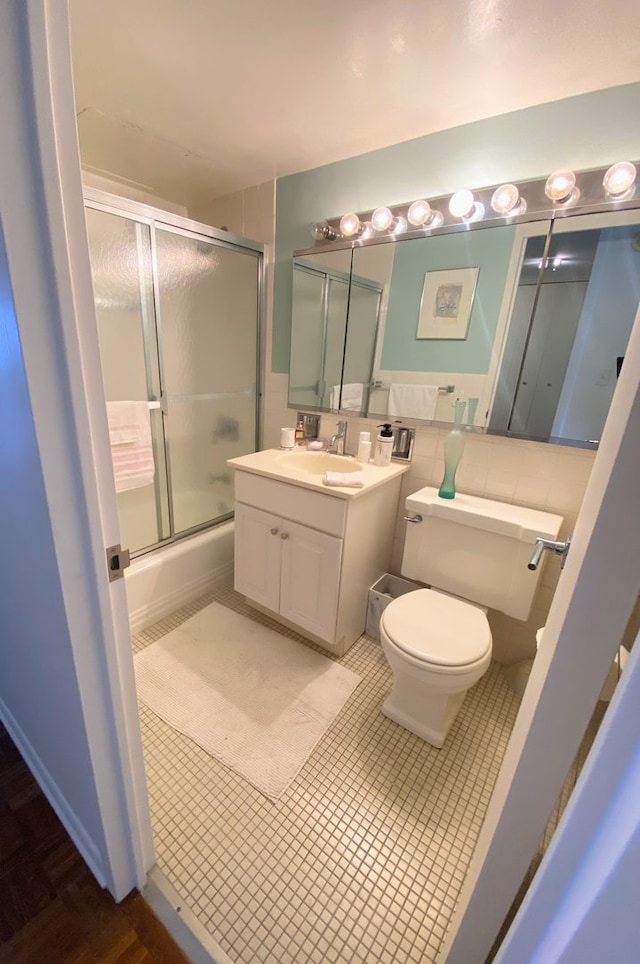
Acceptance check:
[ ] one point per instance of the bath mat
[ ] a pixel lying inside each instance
(253, 699)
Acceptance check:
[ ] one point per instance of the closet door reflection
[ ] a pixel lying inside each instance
(120, 253)
(307, 339)
(360, 345)
(208, 303)
(320, 303)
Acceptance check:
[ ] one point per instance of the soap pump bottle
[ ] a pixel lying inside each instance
(384, 447)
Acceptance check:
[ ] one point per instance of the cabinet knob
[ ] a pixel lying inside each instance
(274, 532)
(284, 535)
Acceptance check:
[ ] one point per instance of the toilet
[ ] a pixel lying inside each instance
(472, 554)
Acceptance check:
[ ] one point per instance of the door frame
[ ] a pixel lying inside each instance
(43, 218)
(588, 616)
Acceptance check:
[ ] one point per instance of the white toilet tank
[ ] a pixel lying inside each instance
(476, 548)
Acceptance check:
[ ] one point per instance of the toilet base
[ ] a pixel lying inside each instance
(428, 715)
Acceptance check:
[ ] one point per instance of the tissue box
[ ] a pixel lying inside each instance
(382, 592)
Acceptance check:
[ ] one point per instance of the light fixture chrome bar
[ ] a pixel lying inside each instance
(561, 193)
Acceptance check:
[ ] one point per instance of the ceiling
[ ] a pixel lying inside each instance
(195, 99)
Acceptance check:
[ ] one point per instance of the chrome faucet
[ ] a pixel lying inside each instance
(338, 441)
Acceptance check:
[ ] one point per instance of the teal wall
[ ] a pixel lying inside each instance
(591, 130)
(489, 250)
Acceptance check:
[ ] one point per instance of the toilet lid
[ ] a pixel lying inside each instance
(437, 628)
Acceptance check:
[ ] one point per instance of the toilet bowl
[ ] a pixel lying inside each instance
(437, 646)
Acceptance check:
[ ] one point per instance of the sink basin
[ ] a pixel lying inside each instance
(317, 463)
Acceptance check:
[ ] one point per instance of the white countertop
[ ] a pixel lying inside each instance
(274, 464)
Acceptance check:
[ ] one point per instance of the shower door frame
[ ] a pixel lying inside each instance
(178, 224)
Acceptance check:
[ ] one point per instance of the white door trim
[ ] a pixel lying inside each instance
(44, 215)
(582, 905)
(588, 615)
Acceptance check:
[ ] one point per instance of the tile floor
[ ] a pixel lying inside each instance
(362, 858)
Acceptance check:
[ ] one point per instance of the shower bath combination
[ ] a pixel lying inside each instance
(178, 308)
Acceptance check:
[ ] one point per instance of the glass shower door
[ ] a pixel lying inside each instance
(207, 295)
(120, 253)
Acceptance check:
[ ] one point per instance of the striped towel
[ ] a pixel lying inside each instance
(131, 448)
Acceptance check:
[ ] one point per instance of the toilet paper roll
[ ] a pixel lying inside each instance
(287, 438)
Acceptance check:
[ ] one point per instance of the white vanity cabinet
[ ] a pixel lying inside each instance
(307, 557)
(290, 569)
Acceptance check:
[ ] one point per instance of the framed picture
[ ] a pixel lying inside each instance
(447, 298)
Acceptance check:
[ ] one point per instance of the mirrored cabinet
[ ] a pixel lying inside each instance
(531, 319)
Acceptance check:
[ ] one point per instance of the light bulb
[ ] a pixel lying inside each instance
(419, 213)
(381, 219)
(619, 179)
(398, 225)
(367, 231)
(437, 220)
(506, 200)
(462, 204)
(350, 224)
(560, 186)
(322, 231)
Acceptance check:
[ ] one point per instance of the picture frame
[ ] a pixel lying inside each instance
(446, 303)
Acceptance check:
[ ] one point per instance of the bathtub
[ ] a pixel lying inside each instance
(164, 580)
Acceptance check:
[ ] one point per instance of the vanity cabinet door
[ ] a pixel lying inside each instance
(310, 579)
(257, 555)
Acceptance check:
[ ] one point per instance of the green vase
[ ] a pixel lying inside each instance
(453, 449)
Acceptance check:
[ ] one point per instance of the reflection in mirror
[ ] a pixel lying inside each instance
(426, 341)
(576, 301)
(367, 309)
(320, 300)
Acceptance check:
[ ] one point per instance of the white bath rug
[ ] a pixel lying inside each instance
(255, 700)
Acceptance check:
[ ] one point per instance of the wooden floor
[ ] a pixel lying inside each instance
(52, 910)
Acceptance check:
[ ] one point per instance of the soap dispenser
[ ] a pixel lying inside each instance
(384, 448)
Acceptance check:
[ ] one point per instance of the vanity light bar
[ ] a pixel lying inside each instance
(601, 189)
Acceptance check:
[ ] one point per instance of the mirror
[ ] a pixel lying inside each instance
(574, 307)
(527, 322)
(441, 302)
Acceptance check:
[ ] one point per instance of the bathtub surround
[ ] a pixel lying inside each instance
(163, 581)
(248, 696)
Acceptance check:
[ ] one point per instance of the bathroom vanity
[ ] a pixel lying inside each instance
(307, 553)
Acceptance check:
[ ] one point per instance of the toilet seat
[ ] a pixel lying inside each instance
(438, 629)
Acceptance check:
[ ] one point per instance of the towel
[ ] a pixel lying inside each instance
(131, 448)
(413, 401)
(351, 398)
(355, 480)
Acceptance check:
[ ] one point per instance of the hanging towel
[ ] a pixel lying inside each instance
(131, 448)
(413, 401)
(351, 397)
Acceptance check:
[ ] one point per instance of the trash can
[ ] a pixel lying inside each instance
(386, 588)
